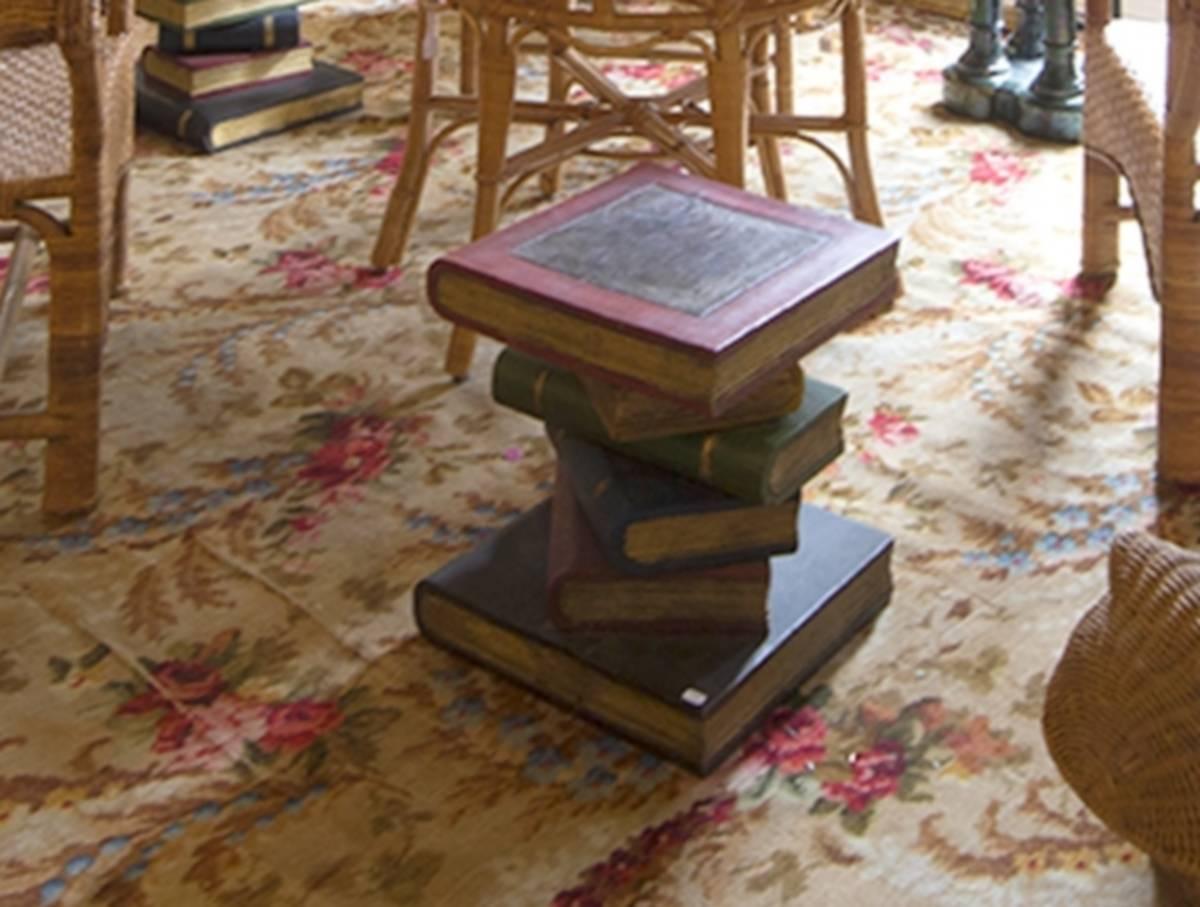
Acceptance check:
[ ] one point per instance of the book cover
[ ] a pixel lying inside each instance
(766, 462)
(276, 30)
(193, 14)
(630, 415)
(675, 285)
(232, 117)
(198, 75)
(587, 593)
(647, 519)
(692, 700)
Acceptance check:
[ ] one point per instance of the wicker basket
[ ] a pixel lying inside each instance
(1122, 714)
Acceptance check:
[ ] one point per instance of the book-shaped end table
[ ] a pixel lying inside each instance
(584, 298)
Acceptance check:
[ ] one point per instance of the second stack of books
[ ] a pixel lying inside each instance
(224, 72)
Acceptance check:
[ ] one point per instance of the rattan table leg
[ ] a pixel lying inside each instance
(1101, 220)
(401, 211)
(760, 92)
(497, 87)
(865, 202)
(727, 88)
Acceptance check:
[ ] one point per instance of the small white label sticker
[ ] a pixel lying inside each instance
(695, 697)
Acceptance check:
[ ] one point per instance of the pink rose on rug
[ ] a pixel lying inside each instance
(181, 682)
(356, 451)
(374, 63)
(792, 739)
(293, 726)
(890, 428)
(875, 774)
(1006, 282)
(179, 738)
(231, 717)
(307, 269)
(172, 732)
(392, 162)
(997, 168)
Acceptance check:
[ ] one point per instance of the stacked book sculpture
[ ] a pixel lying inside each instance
(224, 72)
(674, 586)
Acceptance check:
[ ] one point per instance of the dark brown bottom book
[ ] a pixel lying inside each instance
(691, 699)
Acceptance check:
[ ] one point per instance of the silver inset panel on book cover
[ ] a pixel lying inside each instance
(671, 248)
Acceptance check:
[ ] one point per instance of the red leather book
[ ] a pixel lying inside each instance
(679, 286)
(587, 592)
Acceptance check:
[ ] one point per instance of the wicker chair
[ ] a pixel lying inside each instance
(1122, 713)
(66, 127)
(1141, 111)
(743, 46)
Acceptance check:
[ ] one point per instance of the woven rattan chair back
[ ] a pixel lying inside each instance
(1122, 712)
(1141, 112)
(66, 132)
(745, 95)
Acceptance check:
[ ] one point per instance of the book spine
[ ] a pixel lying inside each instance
(272, 31)
(608, 513)
(559, 399)
(157, 111)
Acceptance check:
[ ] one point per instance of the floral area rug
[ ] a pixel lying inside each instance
(211, 689)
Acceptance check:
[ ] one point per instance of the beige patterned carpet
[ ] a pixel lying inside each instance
(211, 691)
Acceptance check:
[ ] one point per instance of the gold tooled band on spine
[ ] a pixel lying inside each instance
(181, 126)
(268, 26)
(706, 457)
(539, 385)
(189, 39)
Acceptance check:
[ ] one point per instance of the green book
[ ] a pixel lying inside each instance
(766, 462)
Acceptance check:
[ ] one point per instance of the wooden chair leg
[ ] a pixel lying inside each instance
(785, 75)
(1101, 221)
(498, 73)
(727, 71)
(559, 81)
(401, 212)
(468, 57)
(78, 291)
(760, 92)
(120, 250)
(863, 200)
